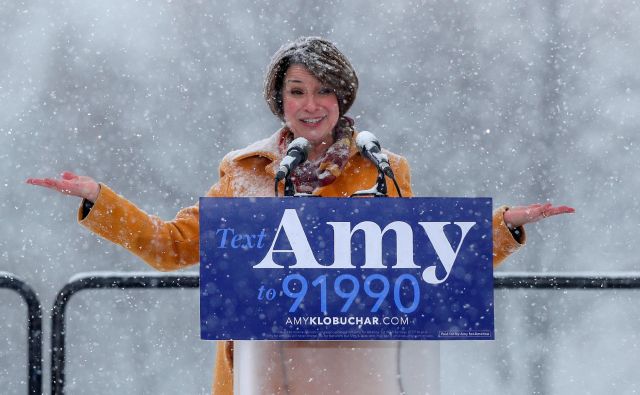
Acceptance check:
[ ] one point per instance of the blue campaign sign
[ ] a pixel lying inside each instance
(346, 268)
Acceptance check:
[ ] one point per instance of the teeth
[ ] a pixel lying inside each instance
(312, 120)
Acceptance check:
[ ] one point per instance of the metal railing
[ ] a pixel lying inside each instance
(34, 329)
(149, 281)
(101, 281)
(565, 281)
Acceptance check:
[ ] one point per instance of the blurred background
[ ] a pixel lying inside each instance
(522, 101)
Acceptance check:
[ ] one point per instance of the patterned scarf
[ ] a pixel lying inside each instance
(311, 175)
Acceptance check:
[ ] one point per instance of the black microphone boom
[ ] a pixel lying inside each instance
(297, 153)
(369, 146)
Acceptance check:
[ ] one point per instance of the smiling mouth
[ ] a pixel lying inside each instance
(312, 121)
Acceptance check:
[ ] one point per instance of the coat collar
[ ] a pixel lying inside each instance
(266, 148)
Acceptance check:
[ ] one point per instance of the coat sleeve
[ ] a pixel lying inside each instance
(165, 245)
(505, 242)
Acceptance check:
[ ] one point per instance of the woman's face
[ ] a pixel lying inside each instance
(310, 108)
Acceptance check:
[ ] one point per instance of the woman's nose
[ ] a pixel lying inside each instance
(311, 104)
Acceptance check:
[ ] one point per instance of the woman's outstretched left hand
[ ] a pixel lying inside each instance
(70, 184)
(521, 215)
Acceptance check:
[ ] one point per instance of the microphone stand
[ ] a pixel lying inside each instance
(378, 190)
(289, 188)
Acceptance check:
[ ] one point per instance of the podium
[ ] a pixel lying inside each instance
(339, 295)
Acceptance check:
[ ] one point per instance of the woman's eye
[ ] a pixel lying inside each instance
(326, 91)
(296, 92)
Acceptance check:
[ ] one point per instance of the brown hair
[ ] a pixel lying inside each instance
(323, 60)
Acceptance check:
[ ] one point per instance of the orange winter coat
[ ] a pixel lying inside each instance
(171, 245)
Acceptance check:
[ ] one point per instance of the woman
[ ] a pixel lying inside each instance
(310, 86)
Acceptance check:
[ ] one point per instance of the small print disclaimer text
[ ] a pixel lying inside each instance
(464, 333)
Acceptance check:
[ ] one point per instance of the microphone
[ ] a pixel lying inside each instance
(297, 153)
(369, 146)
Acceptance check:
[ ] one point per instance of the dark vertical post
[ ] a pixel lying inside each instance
(34, 329)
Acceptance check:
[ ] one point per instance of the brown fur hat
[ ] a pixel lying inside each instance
(323, 60)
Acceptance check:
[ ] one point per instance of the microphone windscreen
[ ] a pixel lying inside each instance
(302, 145)
(364, 138)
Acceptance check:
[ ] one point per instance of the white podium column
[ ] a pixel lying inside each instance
(336, 367)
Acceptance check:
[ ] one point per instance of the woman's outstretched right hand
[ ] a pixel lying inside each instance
(70, 184)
